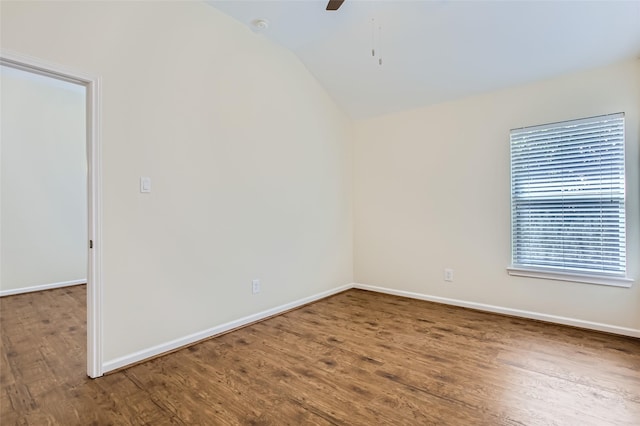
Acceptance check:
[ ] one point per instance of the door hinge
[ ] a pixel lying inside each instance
(90, 244)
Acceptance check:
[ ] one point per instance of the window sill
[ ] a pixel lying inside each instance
(563, 276)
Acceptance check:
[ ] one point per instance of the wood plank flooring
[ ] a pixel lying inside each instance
(357, 358)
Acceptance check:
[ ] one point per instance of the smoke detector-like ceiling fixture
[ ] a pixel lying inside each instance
(260, 24)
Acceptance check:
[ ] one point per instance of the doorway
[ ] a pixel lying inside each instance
(90, 85)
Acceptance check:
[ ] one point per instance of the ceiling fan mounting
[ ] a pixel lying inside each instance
(334, 4)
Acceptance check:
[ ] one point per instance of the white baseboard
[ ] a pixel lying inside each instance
(154, 351)
(41, 287)
(506, 311)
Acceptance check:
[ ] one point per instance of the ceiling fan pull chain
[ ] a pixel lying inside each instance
(373, 37)
(376, 42)
(379, 44)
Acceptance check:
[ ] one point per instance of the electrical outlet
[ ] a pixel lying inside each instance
(255, 286)
(448, 274)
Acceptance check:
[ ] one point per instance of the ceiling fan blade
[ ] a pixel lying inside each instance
(334, 4)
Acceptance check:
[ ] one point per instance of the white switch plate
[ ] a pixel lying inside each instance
(145, 184)
(255, 286)
(448, 274)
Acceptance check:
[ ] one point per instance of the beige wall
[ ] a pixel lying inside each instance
(432, 192)
(251, 164)
(250, 161)
(44, 173)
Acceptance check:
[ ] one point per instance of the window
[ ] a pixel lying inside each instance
(568, 200)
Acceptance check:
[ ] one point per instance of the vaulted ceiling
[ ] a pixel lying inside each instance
(441, 50)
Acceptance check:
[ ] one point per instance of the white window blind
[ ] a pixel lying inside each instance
(568, 197)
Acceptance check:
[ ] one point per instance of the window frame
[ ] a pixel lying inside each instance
(560, 273)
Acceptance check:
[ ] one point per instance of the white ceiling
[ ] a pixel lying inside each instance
(440, 50)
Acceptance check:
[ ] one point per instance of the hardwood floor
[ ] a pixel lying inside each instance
(357, 358)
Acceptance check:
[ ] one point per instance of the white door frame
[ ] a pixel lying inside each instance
(94, 193)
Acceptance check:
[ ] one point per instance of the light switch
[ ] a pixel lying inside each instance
(145, 184)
